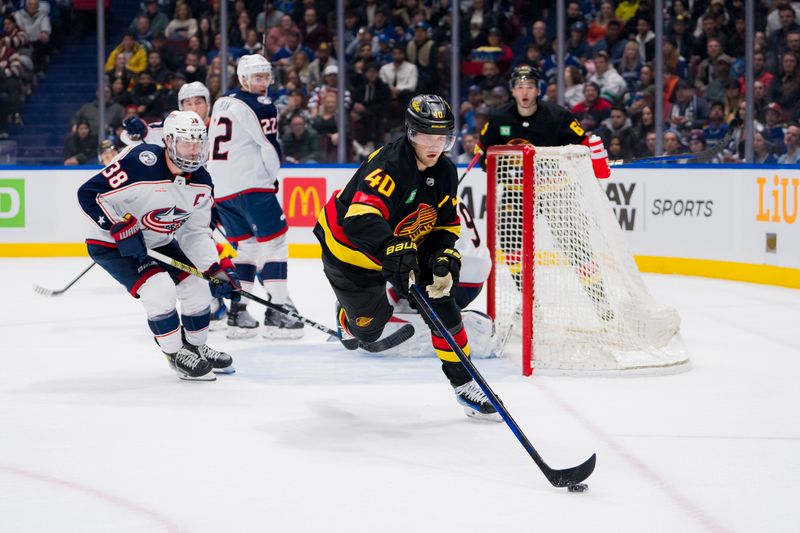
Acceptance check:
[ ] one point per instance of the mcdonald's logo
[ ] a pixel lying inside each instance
(303, 199)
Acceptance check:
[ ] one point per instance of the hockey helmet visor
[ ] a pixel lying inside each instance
(186, 139)
(430, 123)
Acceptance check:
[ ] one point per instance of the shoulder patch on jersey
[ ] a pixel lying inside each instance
(264, 100)
(148, 158)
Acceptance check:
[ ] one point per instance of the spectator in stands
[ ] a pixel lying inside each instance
(550, 63)
(407, 11)
(576, 44)
(11, 86)
(643, 124)
(80, 147)
(302, 66)
(277, 35)
(468, 142)
(490, 79)
(322, 60)
(238, 33)
(788, 22)
(313, 32)
(594, 109)
(35, 22)
(648, 148)
(616, 150)
(630, 66)
(327, 127)
(158, 20)
(733, 98)
(300, 144)
(193, 45)
(573, 83)
(134, 54)
(539, 35)
(613, 42)
(499, 96)
(401, 78)
(421, 51)
(612, 85)
(145, 95)
(156, 68)
(674, 62)
(363, 36)
(252, 44)
(284, 55)
(551, 93)
(476, 23)
(618, 125)
(762, 150)
(697, 145)
(705, 72)
(331, 85)
(717, 126)
(722, 78)
(646, 39)
(143, 34)
(119, 92)
(791, 139)
(481, 117)
(688, 111)
(192, 69)
(775, 127)
(710, 30)
(672, 143)
(645, 89)
(599, 26)
(268, 18)
(370, 96)
(90, 113)
(682, 36)
(169, 55)
(384, 53)
(381, 27)
(183, 25)
(785, 88)
(205, 33)
(288, 105)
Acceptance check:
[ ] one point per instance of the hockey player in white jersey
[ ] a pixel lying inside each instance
(245, 158)
(191, 97)
(160, 198)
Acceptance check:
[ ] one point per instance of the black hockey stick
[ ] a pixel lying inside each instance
(570, 477)
(398, 337)
(50, 292)
(700, 157)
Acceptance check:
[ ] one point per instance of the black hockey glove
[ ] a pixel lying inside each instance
(135, 127)
(445, 266)
(399, 261)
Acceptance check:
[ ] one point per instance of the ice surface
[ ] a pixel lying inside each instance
(98, 434)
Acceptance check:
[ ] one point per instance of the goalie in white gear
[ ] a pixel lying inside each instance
(191, 97)
(160, 198)
(245, 158)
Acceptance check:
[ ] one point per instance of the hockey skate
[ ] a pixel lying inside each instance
(476, 403)
(221, 362)
(241, 325)
(190, 366)
(349, 340)
(219, 315)
(280, 326)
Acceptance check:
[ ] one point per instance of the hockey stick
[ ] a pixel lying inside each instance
(475, 159)
(50, 292)
(570, 477)
(704, 156)
(399, 336)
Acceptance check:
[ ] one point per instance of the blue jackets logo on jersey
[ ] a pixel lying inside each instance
(148, 158)
(165, 220)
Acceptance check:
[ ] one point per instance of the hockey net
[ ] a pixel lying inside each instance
(581, 306)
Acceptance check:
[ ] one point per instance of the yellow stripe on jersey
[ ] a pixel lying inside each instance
(446, 196)
(356, 210)
(342, 252)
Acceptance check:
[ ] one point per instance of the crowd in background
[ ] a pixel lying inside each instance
(397, 48)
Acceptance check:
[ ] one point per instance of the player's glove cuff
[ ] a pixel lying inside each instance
(226, 272)
(445, 266)
(599, 157)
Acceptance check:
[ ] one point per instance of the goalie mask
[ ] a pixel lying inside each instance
(186, 140)
(430, 123)
(250, 65)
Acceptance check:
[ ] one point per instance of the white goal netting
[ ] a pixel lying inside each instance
(591, 312)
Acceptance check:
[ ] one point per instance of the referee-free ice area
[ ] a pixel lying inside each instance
(97, 434)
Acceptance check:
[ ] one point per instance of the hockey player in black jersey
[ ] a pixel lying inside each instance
(396, 221)
(525, 120)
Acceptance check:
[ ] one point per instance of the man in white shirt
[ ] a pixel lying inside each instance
(612, 85)
(401, 77)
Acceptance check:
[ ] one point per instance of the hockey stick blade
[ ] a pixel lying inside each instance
(558, 478)
(390, 341)
(44, 291)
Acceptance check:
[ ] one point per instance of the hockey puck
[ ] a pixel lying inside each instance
(580, 487)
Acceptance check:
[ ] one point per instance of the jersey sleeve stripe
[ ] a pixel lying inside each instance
(356, 210)
(368, 199)
(339, 246)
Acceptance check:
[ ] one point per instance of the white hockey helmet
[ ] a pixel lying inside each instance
(186, 140)
(252, 64)
(190, 90)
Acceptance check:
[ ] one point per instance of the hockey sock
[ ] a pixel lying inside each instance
(196, 328)
(273, 277)
(166, 329)
(247, 275)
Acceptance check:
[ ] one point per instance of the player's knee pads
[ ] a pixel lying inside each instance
(194, 295)
(248, 251)
(276, 249)
(158, 295)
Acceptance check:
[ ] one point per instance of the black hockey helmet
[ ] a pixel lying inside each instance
(525, 72)
(430, 114)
